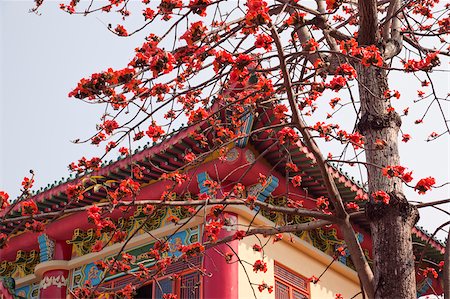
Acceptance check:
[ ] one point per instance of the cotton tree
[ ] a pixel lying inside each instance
(323, 69)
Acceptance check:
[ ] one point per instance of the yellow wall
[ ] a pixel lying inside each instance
(301, 257)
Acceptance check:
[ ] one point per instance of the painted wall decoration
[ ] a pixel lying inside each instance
(325, 239)
(263, 191)
(83, 241)
(23, 264)
(30, 291)
(90, 272)
(57, 281)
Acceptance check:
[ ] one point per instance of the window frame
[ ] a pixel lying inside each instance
(289, 285)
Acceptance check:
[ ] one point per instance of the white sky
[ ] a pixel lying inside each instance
(43, 57)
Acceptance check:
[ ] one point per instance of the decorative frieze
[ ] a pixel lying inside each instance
(57, 281)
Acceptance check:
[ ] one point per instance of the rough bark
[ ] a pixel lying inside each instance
(391, 225)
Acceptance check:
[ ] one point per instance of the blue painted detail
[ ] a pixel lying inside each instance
(271, 184)
(46, 247)
(201, 178)
(245, 129)
(30, 291)
(424, 286)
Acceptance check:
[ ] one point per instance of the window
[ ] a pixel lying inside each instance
(187, 286)
(290, 285)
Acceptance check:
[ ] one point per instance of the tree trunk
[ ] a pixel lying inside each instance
(391, 224)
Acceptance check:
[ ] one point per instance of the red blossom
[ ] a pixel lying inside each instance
(296, 180)
(337, 83)
(311, 45)
(27, 183)
(121, 31)
(352, 206)
(35, 226)
(291, 167)
(124, 151)
(346, 69)
(257, 248)
(195, 33)
(296, 18)
(154, 131)
(198, 115)
(148, 13)
(199, 6)
(277, 237)
(431, 271)
(75, 191)
(322, 203)
(29, 208)
(264, 41)
(287, 134)
(260, 265)
(263, 286)
(406, 137)
(4, 200)
(424, 185)
(381, 196)
(166, 8)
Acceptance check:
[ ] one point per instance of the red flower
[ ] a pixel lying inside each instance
(75, 191)
(27, 183)
(199, 6)
(264, 286)
(430, 270)
(195, 33)
(154, 131)
(4, 200)
(257, 248)
(264, 41)
(406, 137)
(352, 206)
(193, 249)
(296, 18)
(356, 140)
(346, 69)
(29, 208)
(279, 111)
(311, 45)
(123, 151)
(393, 171)
(297, 180)
(35, 226)
(148, 13)
(239, 235)
(337, 83)
(407, 177)
(166, 8)
(424, 185)
(109, 126)
(198, 115)
(291, 167)
(322, 203)
(287, 134)
(121, 31)
(260, 265)
(277, 237)
(381, 196)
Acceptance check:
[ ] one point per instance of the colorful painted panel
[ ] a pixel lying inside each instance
(90, 272)
(30, 291)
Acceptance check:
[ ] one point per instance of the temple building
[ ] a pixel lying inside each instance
(310, 264)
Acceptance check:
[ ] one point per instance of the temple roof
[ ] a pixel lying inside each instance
(167, 156)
